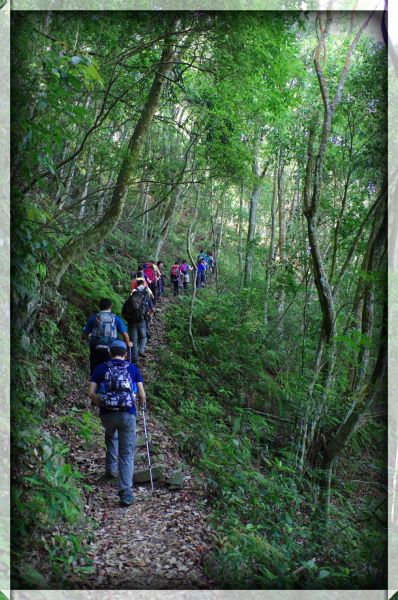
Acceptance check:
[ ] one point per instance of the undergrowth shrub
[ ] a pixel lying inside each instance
(271, 534)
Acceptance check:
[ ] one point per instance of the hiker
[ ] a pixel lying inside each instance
(156, 269)
(175, 277)
(102, 329)
(116, 382)
(151, 276)
(135, 311)
(206, 266)
(140, 275)
(161, 280)
(185, 268)
(201, 255)
(210, 262)
(200, 276)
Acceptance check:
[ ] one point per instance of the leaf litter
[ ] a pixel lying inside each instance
(160, 541)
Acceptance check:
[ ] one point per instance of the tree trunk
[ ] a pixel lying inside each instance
(195, 272)
(271, 251)
(240, 234)
(282, 242)
(251, 232)
(221, 227)
(85, 187)
(364, 398)
(77, 247)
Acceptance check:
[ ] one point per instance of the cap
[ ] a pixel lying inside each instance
(119, 344)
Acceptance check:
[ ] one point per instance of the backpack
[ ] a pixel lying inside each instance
(118, 390)
(174, 270)
(105, 326)
(135, 308)
(150, 273)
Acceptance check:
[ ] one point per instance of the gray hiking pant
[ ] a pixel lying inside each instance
(120, 445)
(137, 333)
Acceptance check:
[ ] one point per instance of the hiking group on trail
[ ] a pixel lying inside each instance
(115, 379)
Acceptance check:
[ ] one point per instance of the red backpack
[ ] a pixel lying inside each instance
(174, 270)
(150, 273)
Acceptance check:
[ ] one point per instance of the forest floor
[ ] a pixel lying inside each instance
(160, 541)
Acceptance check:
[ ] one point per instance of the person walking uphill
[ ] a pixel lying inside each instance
(113, 388)
(175, 277)
(150, 274)
(200, 277)
(102, 329)
(136, 311)
(185, 268)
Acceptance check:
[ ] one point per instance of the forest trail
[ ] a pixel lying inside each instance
(160, 541)
(258, 136)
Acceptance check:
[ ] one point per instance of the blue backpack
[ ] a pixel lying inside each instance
(118, 391)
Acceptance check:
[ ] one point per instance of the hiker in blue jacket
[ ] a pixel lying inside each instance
(102, 329)
(200, 277)
(113, 387)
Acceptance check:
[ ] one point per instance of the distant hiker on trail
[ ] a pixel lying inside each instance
(185, 268)
(156, 269)
(201, 255)
(135, 311)
(210, 261)
(140, 275)
(116, 382)
(175, 277)
(151, 276)
(161, 282)
(102, 329)
(200, 277)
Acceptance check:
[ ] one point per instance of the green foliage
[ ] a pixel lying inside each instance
(82, 422)
(68, 555)
(51, 492)
(271, 534)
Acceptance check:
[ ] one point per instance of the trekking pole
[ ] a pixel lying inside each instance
(147, 448)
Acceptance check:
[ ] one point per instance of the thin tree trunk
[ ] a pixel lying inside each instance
(282, 241)
(195, 272)
(240, 233)
(365, 397)
(339, 218)
(271, 251)
(258, 175)
(251, 233)
(85, 187)
(221, 228)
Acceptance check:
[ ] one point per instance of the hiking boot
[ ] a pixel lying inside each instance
(126, 498)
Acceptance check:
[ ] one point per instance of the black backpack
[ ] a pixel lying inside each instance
(135, 308)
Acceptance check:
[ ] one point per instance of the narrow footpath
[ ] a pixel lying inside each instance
(160, 541)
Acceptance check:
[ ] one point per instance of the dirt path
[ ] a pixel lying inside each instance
(160, 541)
